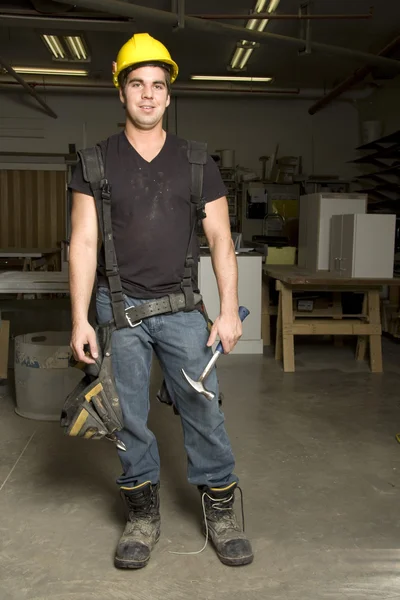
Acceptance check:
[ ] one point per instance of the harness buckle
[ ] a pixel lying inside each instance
(105, 190)
(132, 324)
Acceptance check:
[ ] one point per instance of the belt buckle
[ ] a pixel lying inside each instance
(132, 324)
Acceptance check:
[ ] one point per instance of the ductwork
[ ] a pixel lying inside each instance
(126, 9)
(21, 81)
(352, 80)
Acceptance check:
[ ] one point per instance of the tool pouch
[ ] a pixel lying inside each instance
(92, 410)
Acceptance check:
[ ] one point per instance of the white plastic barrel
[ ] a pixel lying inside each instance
(43, 378)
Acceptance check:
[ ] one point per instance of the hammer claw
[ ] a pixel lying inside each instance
(198, 385)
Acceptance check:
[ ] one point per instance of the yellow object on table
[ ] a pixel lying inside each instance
(281, 256)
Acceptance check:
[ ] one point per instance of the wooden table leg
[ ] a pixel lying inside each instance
(375, 341)
(287, 329)
(362, 339)
(337, 311)
(265, 314)
(4, 346)
(278, 341)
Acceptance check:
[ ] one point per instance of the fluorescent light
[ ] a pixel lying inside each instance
(236, 57)
(81, 47)
(229, 78)
(273, 5)
(50, 71)
(76, 47)
(245, 58)
(241, 55)
(53, 44)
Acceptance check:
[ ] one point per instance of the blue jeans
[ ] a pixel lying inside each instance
(179, 341)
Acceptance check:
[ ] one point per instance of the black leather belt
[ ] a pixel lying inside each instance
(167, 304)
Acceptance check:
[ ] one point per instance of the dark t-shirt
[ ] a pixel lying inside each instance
(150, 209)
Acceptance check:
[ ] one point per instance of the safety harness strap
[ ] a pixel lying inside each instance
(197, 156)
(93, 172)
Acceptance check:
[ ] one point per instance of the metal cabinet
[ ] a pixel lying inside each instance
(362, 245)
(250, 293)
(316, 211)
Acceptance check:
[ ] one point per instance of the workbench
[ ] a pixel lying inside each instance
(365, 325)
(30, 258)
(34, 282)
(26, 282)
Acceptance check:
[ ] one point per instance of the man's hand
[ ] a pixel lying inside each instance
(82, 334)
(229, 329)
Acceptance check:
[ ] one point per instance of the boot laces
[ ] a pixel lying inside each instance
(223, 504)
(223, 510)
(140, 512)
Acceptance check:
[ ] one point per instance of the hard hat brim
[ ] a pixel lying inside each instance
(165, 63)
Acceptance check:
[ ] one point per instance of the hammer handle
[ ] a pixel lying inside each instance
(243, 313)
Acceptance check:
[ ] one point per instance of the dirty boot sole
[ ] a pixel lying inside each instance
(120, 563)
(229, 561)
(235, 562)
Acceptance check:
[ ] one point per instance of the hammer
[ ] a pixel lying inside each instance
(198, 385)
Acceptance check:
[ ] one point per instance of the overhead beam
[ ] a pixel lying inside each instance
(28, 88)
(64, 23)
(350, 81)
(280, 17)
(125, 9)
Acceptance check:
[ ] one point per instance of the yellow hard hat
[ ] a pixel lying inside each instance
(142, 48)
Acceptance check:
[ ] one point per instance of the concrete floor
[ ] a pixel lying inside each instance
(318, 463)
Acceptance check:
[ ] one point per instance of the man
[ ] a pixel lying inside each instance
(150, 178)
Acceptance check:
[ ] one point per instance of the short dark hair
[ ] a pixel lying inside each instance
(123, 76)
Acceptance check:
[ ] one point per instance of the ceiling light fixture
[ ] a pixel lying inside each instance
(241, 54)
(54, 45)
(76, 46)
(231, 78)
(50, 71)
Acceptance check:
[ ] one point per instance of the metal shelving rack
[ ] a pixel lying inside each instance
(230, 179)
(383, 184)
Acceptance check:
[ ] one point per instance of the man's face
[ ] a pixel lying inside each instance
(145, 96)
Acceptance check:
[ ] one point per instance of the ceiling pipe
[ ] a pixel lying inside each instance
(125, 9)
(28, 88)
(62, 23)
(350, 81)
(275, 16)
(189, 89)
(82, 85)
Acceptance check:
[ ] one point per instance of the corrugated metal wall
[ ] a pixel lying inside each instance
(32, 208)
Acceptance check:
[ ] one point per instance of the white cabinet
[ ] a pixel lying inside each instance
(316, 211)
(250, 291)
(363, 245)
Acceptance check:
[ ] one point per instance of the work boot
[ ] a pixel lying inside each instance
(142, 530)
(230, 542)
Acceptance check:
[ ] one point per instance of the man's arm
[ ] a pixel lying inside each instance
(217, 229)
(82, 270)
